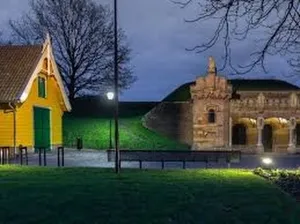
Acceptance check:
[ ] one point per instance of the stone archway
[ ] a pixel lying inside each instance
(239, 134)
(267, 137)
(297, 134)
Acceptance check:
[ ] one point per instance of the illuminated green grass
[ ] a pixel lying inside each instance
(90, 195)
(95, 134)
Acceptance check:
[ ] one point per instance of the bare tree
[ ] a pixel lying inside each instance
(236, 20)
(2, 40)
(82, 36)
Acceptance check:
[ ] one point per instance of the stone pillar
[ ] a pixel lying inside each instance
(260, 127)
(292, 124)
(295, 138)
(230, 132)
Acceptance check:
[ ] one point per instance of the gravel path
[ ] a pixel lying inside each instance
(95, 158)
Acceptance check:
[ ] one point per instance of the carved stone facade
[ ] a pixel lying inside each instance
(269, 117)
(210, 97)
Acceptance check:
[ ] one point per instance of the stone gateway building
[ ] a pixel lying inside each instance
(215, 113)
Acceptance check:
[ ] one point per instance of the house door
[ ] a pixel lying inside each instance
(267, 138)
(239, 136)
(41, 128)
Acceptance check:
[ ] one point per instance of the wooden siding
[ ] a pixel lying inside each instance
(6, 128)
(53, 101)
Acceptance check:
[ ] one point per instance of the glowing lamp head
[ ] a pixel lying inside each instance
(110, 95)
(267, 161)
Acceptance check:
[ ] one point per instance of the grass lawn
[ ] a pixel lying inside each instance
(87, 195)
(95, 134)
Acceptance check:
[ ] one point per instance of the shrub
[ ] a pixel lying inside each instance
(287, 180)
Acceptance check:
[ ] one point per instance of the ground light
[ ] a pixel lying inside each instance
(267, 162)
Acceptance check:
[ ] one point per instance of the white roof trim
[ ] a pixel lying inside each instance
(46, 52)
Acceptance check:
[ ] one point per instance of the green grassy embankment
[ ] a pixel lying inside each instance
(90, 118)
(133, 135)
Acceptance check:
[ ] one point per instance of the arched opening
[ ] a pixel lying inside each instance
(267, 137)
(297, 130)
(239, 134)
(211, 116)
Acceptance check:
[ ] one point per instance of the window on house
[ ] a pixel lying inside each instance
(42, 87)
(211, 116)
(45, 64)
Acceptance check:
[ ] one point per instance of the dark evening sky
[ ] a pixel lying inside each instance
(158, 36)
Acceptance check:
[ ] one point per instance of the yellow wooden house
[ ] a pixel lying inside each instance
(32, 97)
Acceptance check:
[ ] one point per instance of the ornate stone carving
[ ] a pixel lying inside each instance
(293, 100)
(261, 100)
(212, 107)
(260, 122)
(212, 68)
(292, 123)
(266, 103)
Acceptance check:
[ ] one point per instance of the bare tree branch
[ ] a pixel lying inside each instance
(3, 40)
(278, 22)
(82, 37)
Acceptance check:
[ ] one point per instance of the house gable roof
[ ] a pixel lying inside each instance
(20, 65)
(17, 64)
(182, 93)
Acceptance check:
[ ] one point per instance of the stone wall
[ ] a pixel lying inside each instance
(172, 119)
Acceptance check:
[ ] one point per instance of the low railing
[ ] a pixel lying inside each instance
(42, 151)
(8, 156)
(175, 156)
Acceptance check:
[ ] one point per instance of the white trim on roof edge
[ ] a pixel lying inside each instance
(46, 52)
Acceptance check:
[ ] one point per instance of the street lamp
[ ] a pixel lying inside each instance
(110, 96)
(116, 89)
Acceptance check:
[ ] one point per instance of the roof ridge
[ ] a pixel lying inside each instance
(182, 93)
(20, 45)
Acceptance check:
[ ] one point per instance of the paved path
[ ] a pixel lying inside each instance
(94, 158)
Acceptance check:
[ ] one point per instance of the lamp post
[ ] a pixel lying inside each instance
(110, 96)
(116, 89)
